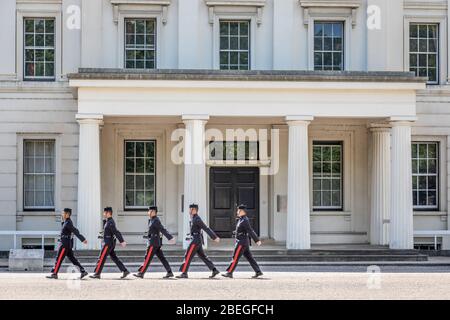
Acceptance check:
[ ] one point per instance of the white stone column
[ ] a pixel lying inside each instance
(380, 190)
(298, 234)
(194, 169)
(89, 190)
(401, 225)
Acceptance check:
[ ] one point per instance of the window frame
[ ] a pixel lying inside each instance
(139, 208)
(20, 170)
(155, 50)
(439, 180)
(220, 16)
(442, 50)
(121, 41)
(39, 78)
(238, 50)
(342, 176)
(438, 50)
(52, 11)
(347, 21)
(343, 55)
(34, 207)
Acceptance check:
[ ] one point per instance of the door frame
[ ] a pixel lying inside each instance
(258, 229)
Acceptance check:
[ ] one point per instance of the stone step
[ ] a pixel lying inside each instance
(257, 253)
(286, 258)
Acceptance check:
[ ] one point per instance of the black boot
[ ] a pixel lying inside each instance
(94, 276)
(227, 275)
(83, 274)
(125, 274)
(257, 275)
(168, 275)
(139, 275)
(52, 276)
(182, 276)
(215, 272)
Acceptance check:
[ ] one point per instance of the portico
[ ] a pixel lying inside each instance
(377, 109)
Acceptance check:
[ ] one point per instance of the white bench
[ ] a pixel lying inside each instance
(435, 234)
(40, 234)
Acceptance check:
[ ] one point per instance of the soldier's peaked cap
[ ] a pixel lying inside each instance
(193, 206)
(153, 208)
(242, 207)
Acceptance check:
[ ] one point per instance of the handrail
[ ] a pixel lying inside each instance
(16, 233)
(433, 233)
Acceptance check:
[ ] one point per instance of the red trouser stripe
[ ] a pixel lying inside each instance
(147, 259)
(188, 257)
(235, 258)
(105, 249)
(58, 263)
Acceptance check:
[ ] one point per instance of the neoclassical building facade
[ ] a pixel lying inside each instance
(329, 119)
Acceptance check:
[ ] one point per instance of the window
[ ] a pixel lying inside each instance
(140, 174)
(39, 48)
(327, 176)
(423, 50)
(425, 174)
(39, 174)
(234, 45)
(140, 43)
(233, 150)
(328, 46)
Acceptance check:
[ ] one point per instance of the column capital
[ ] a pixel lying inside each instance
(189, 117)
(298, 120)
(402, 120)
(379, 127)
(89, 118)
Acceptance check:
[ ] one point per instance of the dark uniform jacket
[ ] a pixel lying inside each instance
(244, 232)
(197, 225)
(110, 232)
(155, 229)
(67, 232)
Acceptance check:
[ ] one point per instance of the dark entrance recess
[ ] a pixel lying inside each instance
(230, 187)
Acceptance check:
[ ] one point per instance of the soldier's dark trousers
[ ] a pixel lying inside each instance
(108, 249)
(151, 251)
(190, 253)
(240, 250)
(62, 253)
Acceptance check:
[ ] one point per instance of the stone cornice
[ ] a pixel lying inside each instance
(330, 3)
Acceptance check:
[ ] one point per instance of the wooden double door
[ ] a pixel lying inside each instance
(230, 187)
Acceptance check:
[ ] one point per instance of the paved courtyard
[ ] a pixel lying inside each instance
(313, 283)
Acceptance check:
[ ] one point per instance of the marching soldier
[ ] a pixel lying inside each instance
(66, 245)
(244, 234)
(110, 234)
(196, 245)
(155, 229)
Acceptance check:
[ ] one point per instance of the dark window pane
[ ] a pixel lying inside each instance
(29, 25)
(49, 69)
(49, 26)
(337, 30)
(327, 29)
(224, 29)
(318, 29)
(234, 43)
(243, 43)
(327, 44)
(234, 28)
(244, 29)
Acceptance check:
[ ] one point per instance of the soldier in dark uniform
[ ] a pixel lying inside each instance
(155, 229)
(244, 234)
(66, 245)
(110, 234)
(196, 245)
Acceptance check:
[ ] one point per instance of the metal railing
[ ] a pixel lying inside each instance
(432, 233)
(41, 234)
